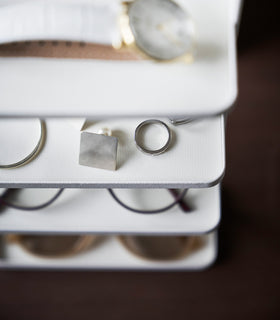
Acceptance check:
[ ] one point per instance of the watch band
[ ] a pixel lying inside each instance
(87, 21)
(70, 50)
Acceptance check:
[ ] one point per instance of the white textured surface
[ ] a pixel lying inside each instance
(52, 87)
(111, 255)
(87, 211)
(196, 158)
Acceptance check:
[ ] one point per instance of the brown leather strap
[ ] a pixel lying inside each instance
(71, 50)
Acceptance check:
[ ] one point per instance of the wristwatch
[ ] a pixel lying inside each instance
(161, 29)
(142, 29)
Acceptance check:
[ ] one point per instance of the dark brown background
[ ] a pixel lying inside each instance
(244, 283)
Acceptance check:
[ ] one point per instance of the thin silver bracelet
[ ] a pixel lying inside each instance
(33, 153)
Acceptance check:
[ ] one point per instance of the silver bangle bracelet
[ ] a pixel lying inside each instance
(33, 153)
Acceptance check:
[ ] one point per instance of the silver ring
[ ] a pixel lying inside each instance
(32, 154)
(140, 145)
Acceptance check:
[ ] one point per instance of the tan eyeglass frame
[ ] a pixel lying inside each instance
(192, 243)
(82, 244)
(85, 242)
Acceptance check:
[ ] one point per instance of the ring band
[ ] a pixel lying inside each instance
(140, 145)
(32, 154)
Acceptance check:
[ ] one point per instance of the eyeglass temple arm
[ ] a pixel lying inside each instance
(5, 195)
(182, 203)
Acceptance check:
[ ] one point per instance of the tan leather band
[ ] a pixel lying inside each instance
(71, 50)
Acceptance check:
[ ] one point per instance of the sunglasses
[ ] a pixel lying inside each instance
(154, 248)
(54, 246)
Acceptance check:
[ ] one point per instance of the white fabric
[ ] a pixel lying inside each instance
(72, 20)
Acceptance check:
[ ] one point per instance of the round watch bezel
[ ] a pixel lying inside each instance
(154, 52)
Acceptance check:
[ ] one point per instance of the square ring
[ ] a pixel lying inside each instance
(98, 151)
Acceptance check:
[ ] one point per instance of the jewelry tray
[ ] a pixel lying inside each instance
(110, 255)
(95, 211)
(195, 159)
(96, 88)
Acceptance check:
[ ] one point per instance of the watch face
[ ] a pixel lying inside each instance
(161, 28)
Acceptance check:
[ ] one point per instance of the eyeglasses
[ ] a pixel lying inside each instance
(159, 248)
(55, 246)
(14, 198)
(10, 197)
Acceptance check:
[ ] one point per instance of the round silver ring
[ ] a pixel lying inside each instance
(33, 153)
(140, 145)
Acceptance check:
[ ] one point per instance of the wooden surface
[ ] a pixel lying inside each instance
(244, 283)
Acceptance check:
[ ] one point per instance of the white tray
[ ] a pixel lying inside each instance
(110, 255)
(95, 211)
(196, 158)
(59, 87)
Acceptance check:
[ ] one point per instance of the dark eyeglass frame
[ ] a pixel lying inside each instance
(179, 199)
(4, 202)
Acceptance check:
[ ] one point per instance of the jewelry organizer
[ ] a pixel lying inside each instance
(48, 88)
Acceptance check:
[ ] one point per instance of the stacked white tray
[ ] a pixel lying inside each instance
(50, 87)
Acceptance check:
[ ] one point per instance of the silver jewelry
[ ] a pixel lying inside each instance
(140, 145)
(105, 131)
(99, 150)
(33, 153)
(179, 121)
